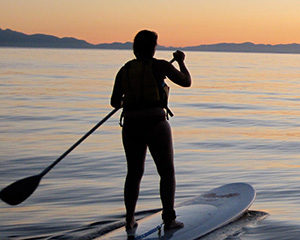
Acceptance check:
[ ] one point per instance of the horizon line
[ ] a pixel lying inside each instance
(167, 46)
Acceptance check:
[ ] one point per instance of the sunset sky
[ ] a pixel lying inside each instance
(178, 22)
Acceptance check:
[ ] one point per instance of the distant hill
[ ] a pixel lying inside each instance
(9, 38)
(247, 47)
(115, 45)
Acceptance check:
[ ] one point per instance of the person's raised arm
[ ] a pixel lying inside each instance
(182, 77)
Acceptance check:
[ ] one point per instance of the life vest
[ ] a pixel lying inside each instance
(142, 89)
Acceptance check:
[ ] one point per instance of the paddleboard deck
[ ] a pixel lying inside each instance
(200, 215)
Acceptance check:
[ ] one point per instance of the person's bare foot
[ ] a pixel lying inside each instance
(174, 225)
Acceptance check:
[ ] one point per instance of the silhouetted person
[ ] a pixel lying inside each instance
(138, 89)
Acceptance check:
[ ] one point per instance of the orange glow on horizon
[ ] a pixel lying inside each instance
(178, 23)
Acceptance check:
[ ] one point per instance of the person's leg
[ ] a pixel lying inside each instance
(161, 148)
(135, 151)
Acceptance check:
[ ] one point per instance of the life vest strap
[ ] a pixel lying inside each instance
(169, 112)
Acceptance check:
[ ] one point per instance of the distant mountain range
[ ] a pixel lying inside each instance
(9, 38)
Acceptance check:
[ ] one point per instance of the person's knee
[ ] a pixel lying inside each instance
(135, 175)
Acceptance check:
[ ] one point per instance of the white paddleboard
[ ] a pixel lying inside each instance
(200, 215)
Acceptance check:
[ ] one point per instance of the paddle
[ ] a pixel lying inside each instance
(20, 190)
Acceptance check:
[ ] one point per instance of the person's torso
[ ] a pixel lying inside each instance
(142, 84)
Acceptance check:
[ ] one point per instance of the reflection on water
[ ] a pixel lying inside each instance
(240, 122)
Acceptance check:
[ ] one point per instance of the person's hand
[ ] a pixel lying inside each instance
(178, 56)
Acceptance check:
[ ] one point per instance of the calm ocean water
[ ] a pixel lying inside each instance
(240, 122)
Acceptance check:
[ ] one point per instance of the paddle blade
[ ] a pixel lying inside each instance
(20, 190)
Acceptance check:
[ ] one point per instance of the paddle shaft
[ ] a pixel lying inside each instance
(20, 190)
(43, 173)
